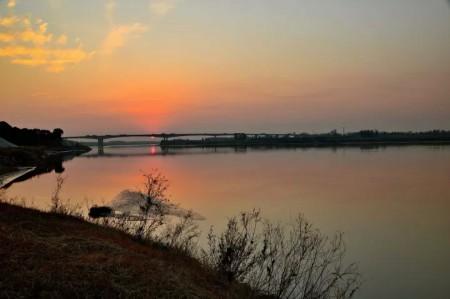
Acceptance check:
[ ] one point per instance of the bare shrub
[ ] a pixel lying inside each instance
(234, 253)
(56, 205)
(60, 206)
(123, 224)
(182, 235)
(293, 262)
(300, 262)
(154, 199)
(153, 222)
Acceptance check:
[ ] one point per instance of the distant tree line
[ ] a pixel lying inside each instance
(333, 138)
(376, 133)
(30, 137)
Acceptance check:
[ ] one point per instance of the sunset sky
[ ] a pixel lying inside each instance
(113, 66)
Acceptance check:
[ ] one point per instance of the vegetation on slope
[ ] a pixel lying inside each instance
(59, 253)
(49, 255)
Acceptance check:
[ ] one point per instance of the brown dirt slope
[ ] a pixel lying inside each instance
(44, 255)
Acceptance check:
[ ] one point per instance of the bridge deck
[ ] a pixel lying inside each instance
(160, 135)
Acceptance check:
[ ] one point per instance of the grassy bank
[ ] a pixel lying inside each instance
(55, 256)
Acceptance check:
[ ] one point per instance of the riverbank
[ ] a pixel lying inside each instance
(31, 156)
(23, 147)
(358, 139)
(82, 259)
(232, 144)
(20, 163)
(12, 174)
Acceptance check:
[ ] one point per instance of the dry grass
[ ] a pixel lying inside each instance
(56, 256)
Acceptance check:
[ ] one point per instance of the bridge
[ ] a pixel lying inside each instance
(163, 136)
(166, 136)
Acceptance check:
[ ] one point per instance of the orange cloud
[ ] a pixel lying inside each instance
(11, 3)
(6, 37)
(119, 35)
(28, 43)
(54, 60)
(9, 21)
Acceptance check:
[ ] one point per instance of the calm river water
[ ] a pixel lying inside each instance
(393, 204)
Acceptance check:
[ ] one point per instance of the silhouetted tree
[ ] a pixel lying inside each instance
(30, 137)
(57, 133)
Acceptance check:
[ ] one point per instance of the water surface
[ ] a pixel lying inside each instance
(392, 203)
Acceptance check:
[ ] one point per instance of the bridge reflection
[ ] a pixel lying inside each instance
(158, 151)
(145, 151)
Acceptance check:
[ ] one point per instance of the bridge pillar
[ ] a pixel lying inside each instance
(100, 145)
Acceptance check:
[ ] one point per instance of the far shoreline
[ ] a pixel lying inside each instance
(305, 145)
(7, 178)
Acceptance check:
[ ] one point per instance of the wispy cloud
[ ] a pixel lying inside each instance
(9, 21)
(161, 7)
(11, 3)
(119, 35)
(26, 41)
(110, 8)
